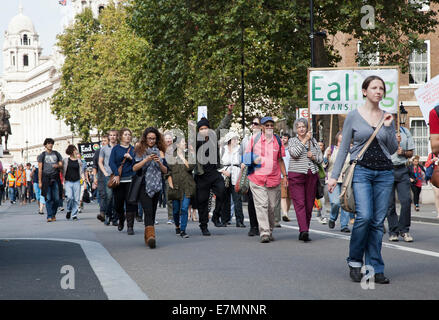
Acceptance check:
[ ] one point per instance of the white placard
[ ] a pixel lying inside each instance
(338, 91)
(428, 97)
(202, 112)
(302, 113)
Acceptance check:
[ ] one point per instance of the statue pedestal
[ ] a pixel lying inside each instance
(5, 155)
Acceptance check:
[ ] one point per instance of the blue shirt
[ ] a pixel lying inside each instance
(407, 143)
(116, 159)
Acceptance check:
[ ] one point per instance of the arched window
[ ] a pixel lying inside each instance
(25, 60)
(25, 40)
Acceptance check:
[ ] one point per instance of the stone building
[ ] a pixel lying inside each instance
(28, 82)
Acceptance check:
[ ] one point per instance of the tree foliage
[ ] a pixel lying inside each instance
(97, 87)
(152, 62)
(195, 49)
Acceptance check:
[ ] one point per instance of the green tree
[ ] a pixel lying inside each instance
(194, 57)
(97, 87)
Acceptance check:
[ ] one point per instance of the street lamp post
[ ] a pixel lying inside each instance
(311, 35)
(402, 115)
(242, 80)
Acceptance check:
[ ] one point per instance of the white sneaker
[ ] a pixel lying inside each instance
(407, 237)
(322, 220)
(169, 222)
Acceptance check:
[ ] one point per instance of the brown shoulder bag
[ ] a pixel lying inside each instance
(347, 200)
(113, 184)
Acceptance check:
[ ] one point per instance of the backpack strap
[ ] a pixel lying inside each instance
(279, 141)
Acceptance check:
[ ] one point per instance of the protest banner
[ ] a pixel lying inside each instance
(428, 97)
(202, 112)
(338, 90)
(87, 151)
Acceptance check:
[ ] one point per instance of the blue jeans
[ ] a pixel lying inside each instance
(52, 199)
(38, 196)
(73, 192)
(107, 200)
(11, 192)
(139, 210)
(372, 190)
(184, 204)
(334, 198)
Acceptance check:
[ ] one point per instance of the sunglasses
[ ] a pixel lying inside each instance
(255, 123)
(269, 125)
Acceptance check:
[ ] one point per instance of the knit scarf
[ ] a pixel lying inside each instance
(153, 174)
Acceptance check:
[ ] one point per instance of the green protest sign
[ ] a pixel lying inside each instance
(338, 91)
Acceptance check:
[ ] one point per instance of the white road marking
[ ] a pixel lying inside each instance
(116, 283)
(387, 245)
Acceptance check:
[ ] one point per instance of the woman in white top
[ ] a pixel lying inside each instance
(231, 160)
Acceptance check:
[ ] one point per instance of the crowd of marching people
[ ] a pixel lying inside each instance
(19, 184)
(271, 172)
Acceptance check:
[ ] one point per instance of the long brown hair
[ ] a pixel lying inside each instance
(369, 79)
(142, 145)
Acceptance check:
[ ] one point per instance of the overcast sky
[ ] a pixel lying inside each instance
(48, 17)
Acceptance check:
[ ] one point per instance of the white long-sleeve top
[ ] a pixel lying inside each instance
(232, 163)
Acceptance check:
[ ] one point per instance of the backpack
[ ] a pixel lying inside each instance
(44, 157)
(253, 166)
(429, 172)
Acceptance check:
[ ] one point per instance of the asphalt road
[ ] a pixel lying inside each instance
(226, 265)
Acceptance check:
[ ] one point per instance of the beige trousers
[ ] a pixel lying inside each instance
(265, 200)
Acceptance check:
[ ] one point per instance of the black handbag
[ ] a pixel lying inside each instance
(174, 193)
(320, 192)
(134, 190)
(86, 196)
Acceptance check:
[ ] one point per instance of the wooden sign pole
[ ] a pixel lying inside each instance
(330, 130)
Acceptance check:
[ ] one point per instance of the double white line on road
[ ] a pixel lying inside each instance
(387, 245)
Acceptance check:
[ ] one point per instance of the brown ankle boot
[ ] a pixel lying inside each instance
(150, 236)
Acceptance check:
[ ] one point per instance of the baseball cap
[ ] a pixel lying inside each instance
(266, 119)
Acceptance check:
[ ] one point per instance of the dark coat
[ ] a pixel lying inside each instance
(182, 179)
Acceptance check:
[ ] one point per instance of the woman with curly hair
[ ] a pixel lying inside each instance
(150, 158)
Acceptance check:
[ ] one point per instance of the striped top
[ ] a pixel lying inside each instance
(299, 162)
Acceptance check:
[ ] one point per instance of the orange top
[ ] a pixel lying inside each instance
(21, 178)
